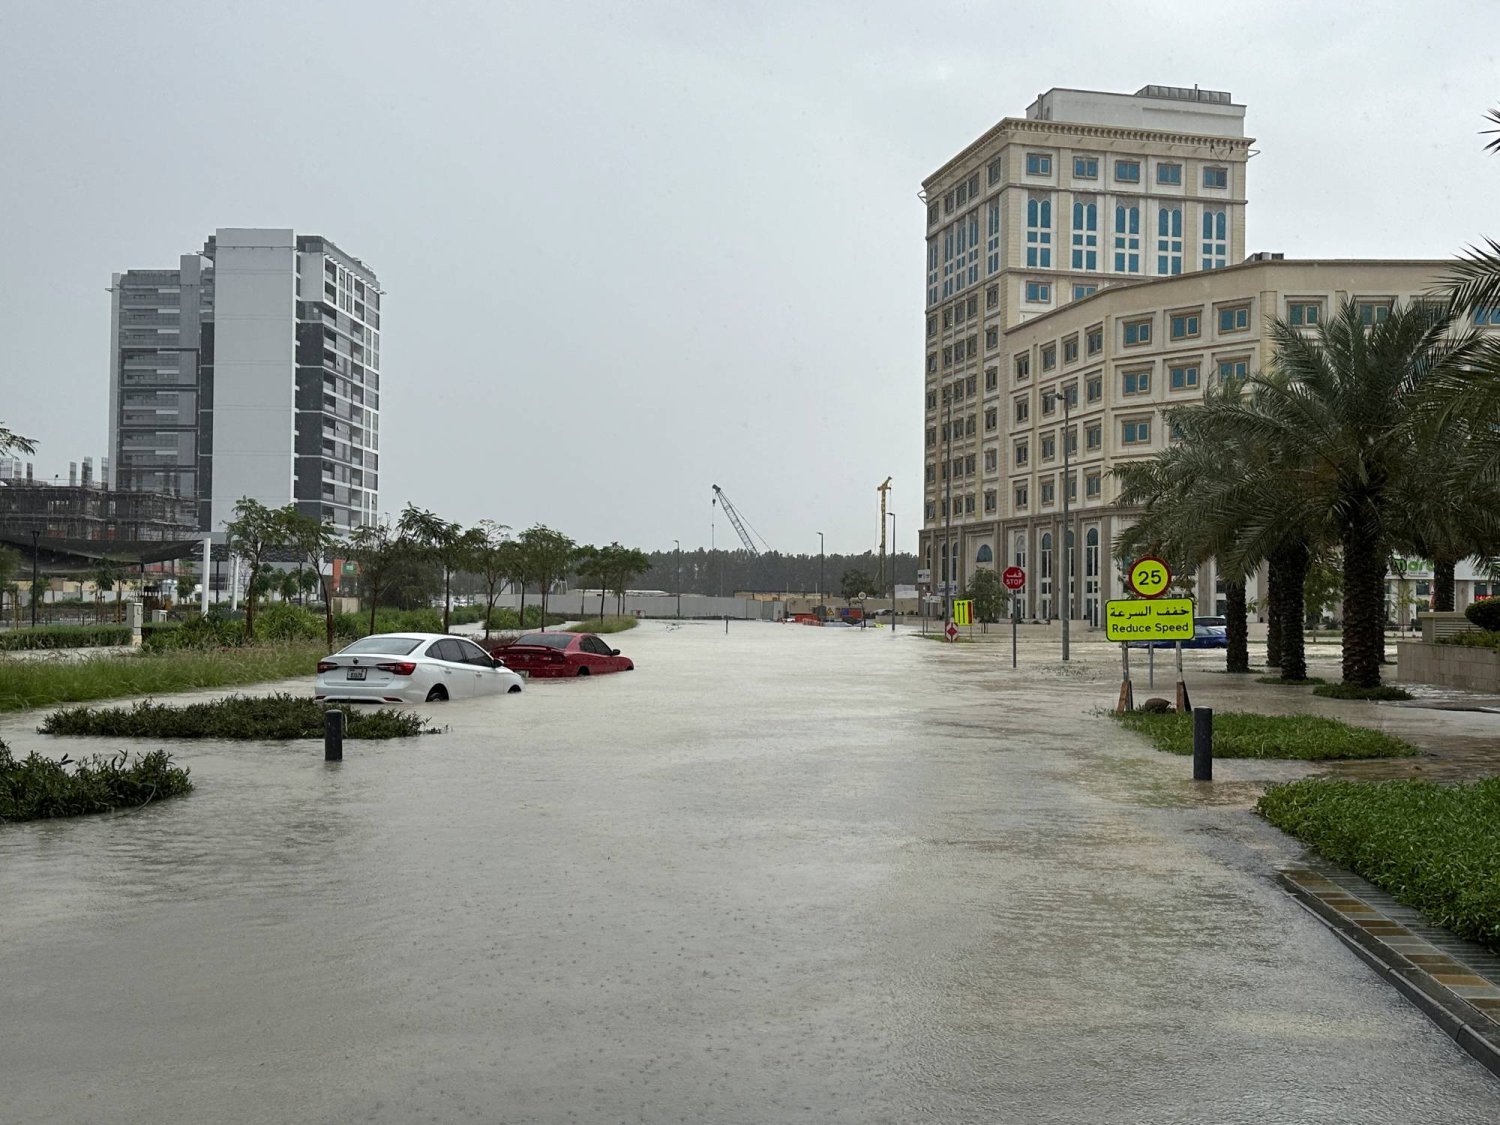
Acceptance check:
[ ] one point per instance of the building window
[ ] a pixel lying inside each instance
(970, 384)
(931, 473)
(1049, 493)
(969, 465)
(1070, 440)
(1049, 356)
(1038, 164)
(1070, 350)
(1093, 340)
(1095, 388)
(1235, 369)
(990, 418)
(972, 305)
(969, 504)
(1306, 314)
(1023, 365)
(1373, 312)
(931, 435)
(995, 171)
(1183, 377)
(1022, 453)
(1093, 437)
(973, 345)
(948, 357)
(992, 297)
(1215, 238)
(1236, 319)
(989, 506)
(1049, 405)
(1085, 167)
(1137, 332)
(991, 338)
(932, 400)
(1169, 174)
(1169, 240)
(1072, 486)
(1039, 232)
(1085, 235)
(1487, 316)
(1023, 497)
(991, 378)
(1049, 447)
(1093, 486)
(1136, 382)
(1184, 326)
(992, 246)
(1127, 239)
(1038, 292)
(1135, 433)
(1082, 291)
(1128, 171)
(991, 458)
(1023, 409)
(1216, 177)
(931, 327)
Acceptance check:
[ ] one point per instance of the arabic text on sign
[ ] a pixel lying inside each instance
(1162, 619)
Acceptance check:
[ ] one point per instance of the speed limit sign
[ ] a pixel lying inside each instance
(1149, 576)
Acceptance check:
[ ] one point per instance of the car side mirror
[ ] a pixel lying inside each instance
(614, 652)
(496, 662)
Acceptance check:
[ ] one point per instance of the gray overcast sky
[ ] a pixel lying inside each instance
(636, 249)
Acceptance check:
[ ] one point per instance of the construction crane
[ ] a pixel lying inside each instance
(883, 489)
(739, 523)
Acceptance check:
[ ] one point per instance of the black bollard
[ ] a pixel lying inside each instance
(333, 736)
(1203, 744)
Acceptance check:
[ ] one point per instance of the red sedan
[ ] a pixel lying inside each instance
(562, 654)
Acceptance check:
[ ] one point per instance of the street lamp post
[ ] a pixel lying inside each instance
(1066, 395)
(820, 576)
(35, 535)
(893, 572)
(950, 572)
(677, 577)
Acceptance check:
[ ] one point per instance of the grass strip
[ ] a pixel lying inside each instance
(30, 683)
(64, 636)
(1290, 683)
(1241, 735)
(608, 625)
(1432, 847)
(270, 717)
(38, 788)
(1354, 691)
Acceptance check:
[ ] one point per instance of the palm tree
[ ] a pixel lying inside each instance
(1338, 412)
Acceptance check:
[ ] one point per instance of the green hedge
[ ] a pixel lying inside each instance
(269, 717)
(1355, 691)
(1241, 735)
(1485, 613)
(1485, 639)
(37, 788)
(1432, 847)
(64, 636)
(608, 625)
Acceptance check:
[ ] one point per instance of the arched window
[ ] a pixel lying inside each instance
(1044, 583)
(984, 554)
(1091, 575)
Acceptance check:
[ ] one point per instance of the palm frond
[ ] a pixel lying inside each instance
(1473, 280)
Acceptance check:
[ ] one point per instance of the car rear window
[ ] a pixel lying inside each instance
(383, 646)
(545, 640)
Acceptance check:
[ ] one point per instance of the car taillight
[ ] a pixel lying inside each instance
(326, 666)
(398, 667)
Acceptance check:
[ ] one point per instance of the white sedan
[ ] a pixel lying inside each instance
(412, 668)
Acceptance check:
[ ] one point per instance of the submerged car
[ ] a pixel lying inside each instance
(412, 668)
(562, 654)
(1208, 632)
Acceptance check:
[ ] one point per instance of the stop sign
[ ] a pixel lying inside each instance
(1013, 577)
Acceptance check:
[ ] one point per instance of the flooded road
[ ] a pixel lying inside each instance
(787, 875)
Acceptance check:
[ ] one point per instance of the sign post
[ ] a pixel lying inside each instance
(1149, 618)
(1014, 580)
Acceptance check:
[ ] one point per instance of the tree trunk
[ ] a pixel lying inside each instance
(250, 604)
(1237, 659)
(1293, 566)
(1275, 584)
(522, 612)
(447, 595)
(1442, 585)
(1364, 601)
(372, 581)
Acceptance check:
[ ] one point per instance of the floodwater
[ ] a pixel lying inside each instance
(783, 875)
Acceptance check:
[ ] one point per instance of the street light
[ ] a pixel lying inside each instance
(677, 580)
(34, 548)
(1067, 546)
(820, 576)
(893, 572)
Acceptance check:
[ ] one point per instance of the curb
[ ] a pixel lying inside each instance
(1362, 928)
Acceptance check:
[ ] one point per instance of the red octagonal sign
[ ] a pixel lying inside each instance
(1013, 577)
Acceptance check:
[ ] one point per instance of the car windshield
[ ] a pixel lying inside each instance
(545, 640)
(1208, 621)
(383, 646)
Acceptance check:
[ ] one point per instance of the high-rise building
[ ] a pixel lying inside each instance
(252, 369)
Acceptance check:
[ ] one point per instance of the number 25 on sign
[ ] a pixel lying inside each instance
(1149, 577)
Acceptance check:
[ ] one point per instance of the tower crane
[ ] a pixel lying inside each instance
(739, 523)
(883, 489)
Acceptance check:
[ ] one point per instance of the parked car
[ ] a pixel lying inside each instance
(562, 654)
(412, 668)
(1208, 632)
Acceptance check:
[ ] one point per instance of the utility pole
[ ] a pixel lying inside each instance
(820, 576)
(677, 580)
(884, 490)
(1067, 536)
(34, 550)
(893, 573)
(948, 569)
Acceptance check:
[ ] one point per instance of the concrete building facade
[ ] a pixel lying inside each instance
(252, 369)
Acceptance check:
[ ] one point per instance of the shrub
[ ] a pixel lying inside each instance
(1471, 639)
(281, 621)
(1432, 847)
(36, 788)
(271, 717)
(1240, 735)
(1354, 691)
(214, 631)
(1485, 613)
(64, 636)
(608, 625)
(507, 619)
(1290, 683)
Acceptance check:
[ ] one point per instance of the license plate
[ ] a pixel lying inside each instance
(356, 674)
